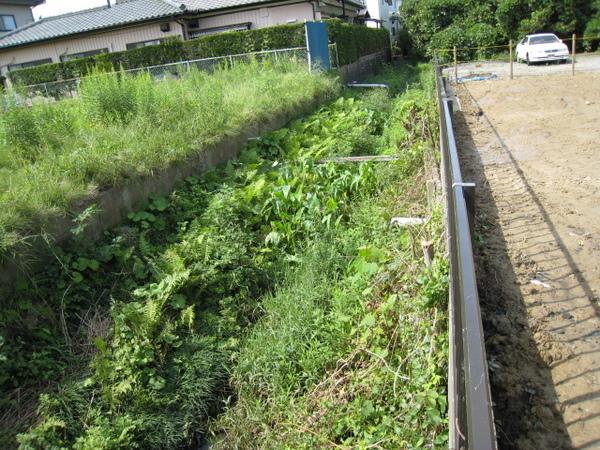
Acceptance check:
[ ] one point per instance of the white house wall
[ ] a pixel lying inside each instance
(261, 17)
(23, 14)
(381, 10)
(115, 41)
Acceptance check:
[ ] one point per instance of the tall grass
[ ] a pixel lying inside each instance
(123, 126)
(350, 351)
(275, 273)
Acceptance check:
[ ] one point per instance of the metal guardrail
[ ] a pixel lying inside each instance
(470, 415)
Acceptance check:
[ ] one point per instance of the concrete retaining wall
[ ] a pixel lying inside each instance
(365, 66)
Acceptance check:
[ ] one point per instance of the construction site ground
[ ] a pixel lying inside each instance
(500, 69)
(532, 145)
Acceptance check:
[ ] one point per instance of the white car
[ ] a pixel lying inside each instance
(541, 47)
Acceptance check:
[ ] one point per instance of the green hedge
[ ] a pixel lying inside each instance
(352, 41)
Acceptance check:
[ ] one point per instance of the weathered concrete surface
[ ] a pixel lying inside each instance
(365, 66)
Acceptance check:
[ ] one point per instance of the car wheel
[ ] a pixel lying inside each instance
(563, 61)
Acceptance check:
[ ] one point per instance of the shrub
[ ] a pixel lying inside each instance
(435, 24)
(355, 41)
(352, 41)
(592, 34)
(467, 37)
(403, 44)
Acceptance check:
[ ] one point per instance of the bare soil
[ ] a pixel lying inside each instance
(532, 145)
(501, 69)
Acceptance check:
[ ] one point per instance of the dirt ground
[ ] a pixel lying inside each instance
(532, 145)
(501, 69)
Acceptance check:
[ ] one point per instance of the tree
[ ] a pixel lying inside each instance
(444, 23)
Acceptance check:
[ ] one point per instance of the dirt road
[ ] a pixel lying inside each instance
(533, 147)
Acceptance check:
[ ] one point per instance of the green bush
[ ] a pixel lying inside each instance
(282, 36)
(352, 41)
(21, 132)
(27, 133)
(355, 41)
(471, 40)
(404, 43)
(435, 24)
(592, 34)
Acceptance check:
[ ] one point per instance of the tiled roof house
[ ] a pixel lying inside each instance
(129, 24)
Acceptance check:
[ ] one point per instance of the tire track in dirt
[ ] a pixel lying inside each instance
(538, 235)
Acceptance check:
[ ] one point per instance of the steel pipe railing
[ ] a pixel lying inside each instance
(470, 415)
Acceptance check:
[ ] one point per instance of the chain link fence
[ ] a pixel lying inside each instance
(64, 89)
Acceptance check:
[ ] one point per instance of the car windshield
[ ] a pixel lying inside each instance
(547, 39)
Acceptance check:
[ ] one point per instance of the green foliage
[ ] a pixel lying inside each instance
(352, 41)
(442, 24)
(351, 350)
(124, 126)
(592, 29)
(403, 45)
(107, 98)
(232, 43)
(21, 132)
(355, 41)
(185, 276)
(273, 285)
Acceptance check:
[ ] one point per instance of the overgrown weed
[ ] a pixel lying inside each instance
(271, 290)
(124, 126)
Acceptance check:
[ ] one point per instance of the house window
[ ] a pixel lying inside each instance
(7, 22)
(65, 58)
(207, 31)
(27, 64)
(143, 44)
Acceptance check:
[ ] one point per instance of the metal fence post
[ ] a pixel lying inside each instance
(573, 55)
(510, 53)
(469, 193)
